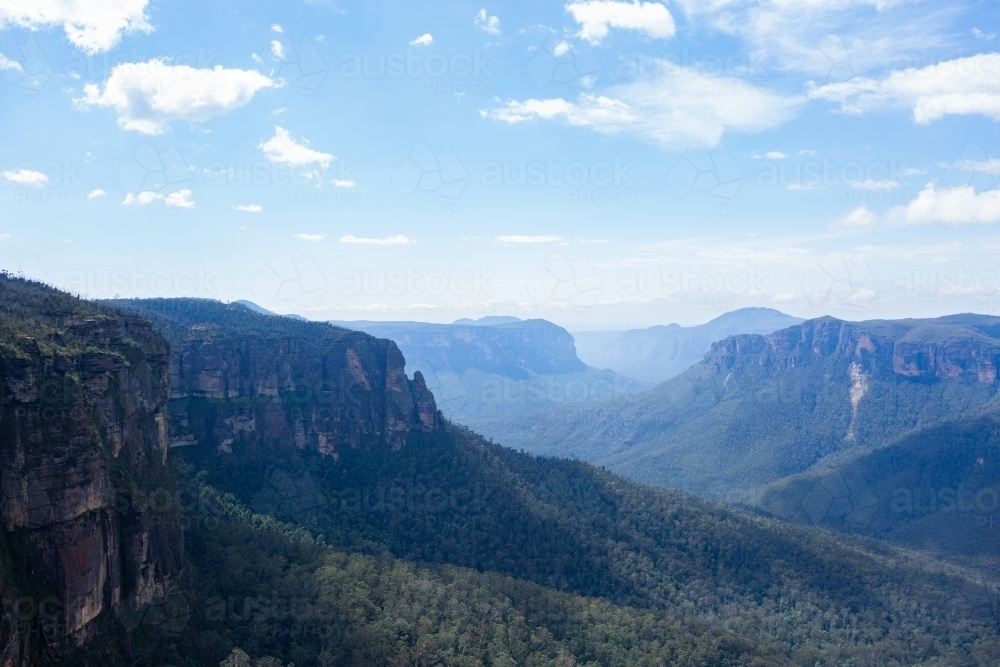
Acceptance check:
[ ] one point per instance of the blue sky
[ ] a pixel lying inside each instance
(601, 164)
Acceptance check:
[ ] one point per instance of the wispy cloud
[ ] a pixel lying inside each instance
(487, 23)
(312, 238)
(249, 208)
(954, 207)
(390, 240)
(423, 40)
(281, 148)
(6, 63)
(964, 86)
(179, 199)
(516, 238)
(35, 179)
(674, 106)
(856, 219)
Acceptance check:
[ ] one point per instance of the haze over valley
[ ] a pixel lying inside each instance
(575, 333)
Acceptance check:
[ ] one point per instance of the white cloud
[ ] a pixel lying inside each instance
(312, 238)
(391, 240)
(529, 239)
(597, 17)
(423, 40)
(6, 63)
(179, 199)
(249, 208)
(774, 155)
(674, 106)
(35, 179)
(277, 50)
(490, 24)
(149, 95)
(281, 148)
(343, 183)
(825, 39)
(956, 206)
(858, 218)
(91, 25)
(94, 194)
(979, 34)
(954, 87)
(277, 28)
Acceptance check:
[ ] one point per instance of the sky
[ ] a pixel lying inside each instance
(601, 164)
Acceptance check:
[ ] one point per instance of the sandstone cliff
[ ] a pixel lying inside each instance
(83, 441)
(241, 381)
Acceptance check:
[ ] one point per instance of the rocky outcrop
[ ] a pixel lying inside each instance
(516, 349)
(241, 381)
(83, 438)
(951, 354)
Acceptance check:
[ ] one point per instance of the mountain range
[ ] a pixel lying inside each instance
(810, 422)
(230, 487)
(498, 366)
(659, 353)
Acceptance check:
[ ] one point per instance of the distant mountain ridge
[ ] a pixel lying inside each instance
(660, 352)
(758, 409)
(321, 514)
(497, 366)
(514, 349)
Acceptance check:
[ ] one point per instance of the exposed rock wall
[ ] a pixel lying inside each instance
(83, 435)
(347, 392)
(971, 359)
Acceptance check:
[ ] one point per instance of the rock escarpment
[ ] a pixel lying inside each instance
(242, 381)
(759, 408)
(83, 444)
(516, 349)
(931, 350)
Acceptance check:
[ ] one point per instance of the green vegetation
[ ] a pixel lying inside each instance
(937, 489)
(758, 409)
(456, 548)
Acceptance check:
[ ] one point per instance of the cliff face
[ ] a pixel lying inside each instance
(759, 408)
(242, 381)
(930, 350)
(516, 350)
(83, 439)
(659, 353)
